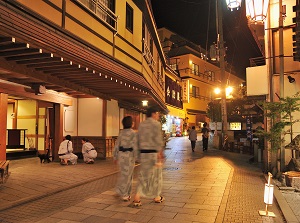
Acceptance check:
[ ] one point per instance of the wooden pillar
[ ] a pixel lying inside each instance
(104, 119)
(3, 125)
(58, 131)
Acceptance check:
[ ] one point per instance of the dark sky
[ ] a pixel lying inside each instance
(196, 21)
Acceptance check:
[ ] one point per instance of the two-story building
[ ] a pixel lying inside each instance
(75, 67)
(200, 76)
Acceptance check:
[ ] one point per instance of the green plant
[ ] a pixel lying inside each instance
(281, 116)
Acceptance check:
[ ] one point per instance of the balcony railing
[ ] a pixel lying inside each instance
(101, 11)
(200, 97)
(257, 61)
(206, 75)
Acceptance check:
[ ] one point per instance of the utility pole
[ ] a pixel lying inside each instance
(222, 67)
(281, 72)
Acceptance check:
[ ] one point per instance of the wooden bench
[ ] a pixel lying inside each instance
(4, 165)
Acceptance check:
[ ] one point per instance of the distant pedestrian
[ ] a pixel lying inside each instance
(150, 144)
(88, 151)
(205, 136)
(65, 152)
(193, 138)
(125, 153)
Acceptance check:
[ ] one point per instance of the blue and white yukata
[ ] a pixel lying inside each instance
(125, 152)
(150, 142)
(65, 151)
(89, 152)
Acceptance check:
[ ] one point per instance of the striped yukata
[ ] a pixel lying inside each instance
(150, 142)
(127, 139)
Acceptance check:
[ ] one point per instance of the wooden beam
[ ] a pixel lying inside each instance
(40, 60)
(3, 125)
(13, 67)
(14, 46)
(58, 130)
(29, 57)
(20, 52)
(20, 91)
(49, 64)
(6, 40)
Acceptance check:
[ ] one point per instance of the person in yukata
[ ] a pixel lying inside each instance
(88, 151)
(65, 152)
(125, 153)
(193, 138)
(150, 144)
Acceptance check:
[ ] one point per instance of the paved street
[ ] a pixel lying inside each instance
(214, 186)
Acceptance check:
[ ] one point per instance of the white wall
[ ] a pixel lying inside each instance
(90, 116)
(70, 119)
(113, 118)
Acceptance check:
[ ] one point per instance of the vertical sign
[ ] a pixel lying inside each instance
(186, 91)
(249, 128)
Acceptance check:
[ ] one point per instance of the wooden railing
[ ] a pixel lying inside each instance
(103, 145)
(102, 11)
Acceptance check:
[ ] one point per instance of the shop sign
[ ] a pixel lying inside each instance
(173, 93)
(235, 126)
(185, 91)
(249, 128)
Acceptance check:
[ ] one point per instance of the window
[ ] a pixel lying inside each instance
(210, 75)
(104, 9)
(195, 92)
(195, 69)
(129, 18)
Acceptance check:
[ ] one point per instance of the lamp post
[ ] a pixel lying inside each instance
(222, 67)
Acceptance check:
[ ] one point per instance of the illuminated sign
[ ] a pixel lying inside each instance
(173, 93)
(235, 126)
(186, 91)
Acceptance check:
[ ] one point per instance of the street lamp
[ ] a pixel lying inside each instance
(232, 4)
(257, 10)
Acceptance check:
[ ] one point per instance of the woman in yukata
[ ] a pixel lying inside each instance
(125, 153)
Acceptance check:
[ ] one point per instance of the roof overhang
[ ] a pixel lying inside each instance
(33, 53)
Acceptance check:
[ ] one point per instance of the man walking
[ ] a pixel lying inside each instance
(193, 138)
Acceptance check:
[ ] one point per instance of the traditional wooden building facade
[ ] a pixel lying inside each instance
(76, 67)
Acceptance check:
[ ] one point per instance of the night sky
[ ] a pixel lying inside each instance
(195, 20)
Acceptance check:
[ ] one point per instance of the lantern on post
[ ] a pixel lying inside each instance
(257, 10)
(233, 4)
(268, 197)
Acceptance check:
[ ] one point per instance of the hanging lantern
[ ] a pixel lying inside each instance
(233, 4)
(257, 10)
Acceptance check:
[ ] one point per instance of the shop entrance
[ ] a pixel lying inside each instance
(30, 127)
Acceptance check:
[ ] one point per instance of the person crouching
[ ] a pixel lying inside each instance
(65, 152)
(88, 151)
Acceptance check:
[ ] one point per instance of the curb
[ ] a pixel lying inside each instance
(51, 192)
(222, 208)
(287, 212)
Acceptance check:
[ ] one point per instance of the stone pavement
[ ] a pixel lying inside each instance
(212, 186)
(30, 180)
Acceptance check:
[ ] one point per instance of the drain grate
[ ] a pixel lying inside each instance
(171, 168)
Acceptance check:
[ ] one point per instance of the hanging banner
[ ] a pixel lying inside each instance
(185, 91)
